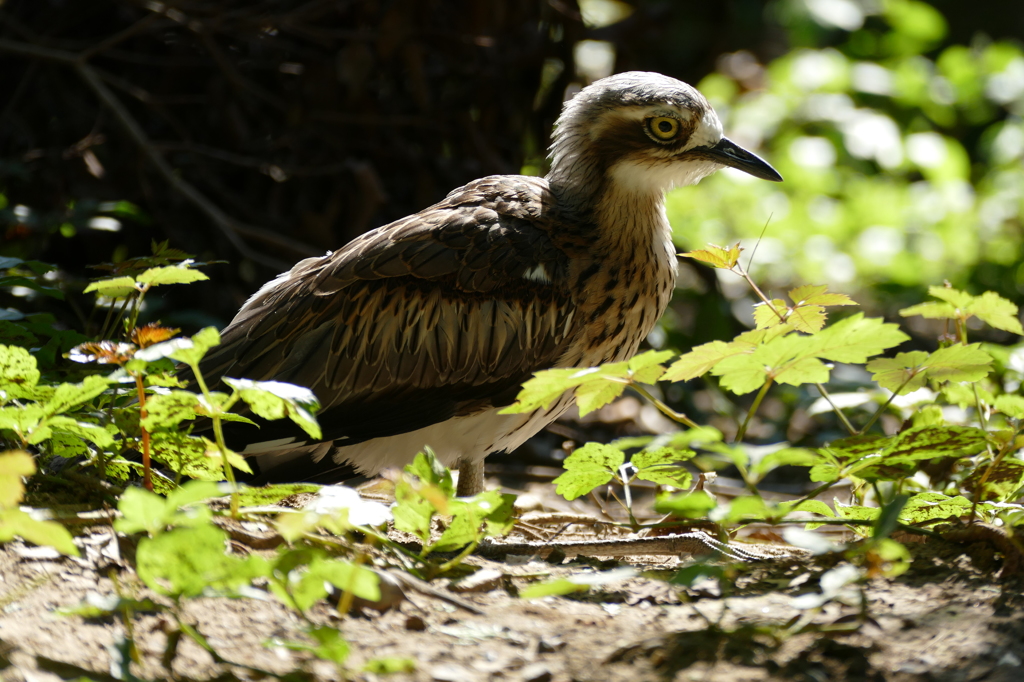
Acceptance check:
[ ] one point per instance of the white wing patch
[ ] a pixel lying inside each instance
(537, 274)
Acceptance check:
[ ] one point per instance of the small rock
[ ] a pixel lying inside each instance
(538, 672)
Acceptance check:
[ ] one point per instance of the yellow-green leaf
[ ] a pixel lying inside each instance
(716, 256)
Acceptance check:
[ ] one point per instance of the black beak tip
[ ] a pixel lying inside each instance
(728, 153)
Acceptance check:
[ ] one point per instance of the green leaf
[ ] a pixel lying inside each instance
(812, 506)
(18, 370)
(694, 505)
(14, 465)
(646, 459)
(188, 562)
(703, 358)
(330, 645)
(646, 367)
(716, 256)
(67, 396)
(277, 400)
(931, 311)
(552, 588)
(927, 506)
(903, 374)
(115, 287)
(802, 457)
(83, 430)
(272, 494)
(173, 274)
(816, 295)
(911, 370)
(809, 319)
(997, 312)
(189, 351)
(45, 533)
(659, 466)
(935, 442)
(588, 467)
(770, 314)
(594, 395)
(428, 468)
(346, 576)
(412, 513)
(854, 339)
(168, 410)
(142, 510)
(795, 359)
(545, 387)
(954, 297)
(742, 374)
(673, 475)
(1011, 405)
(745, 507)
(959, 363)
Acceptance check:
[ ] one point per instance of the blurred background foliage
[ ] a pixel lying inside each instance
(258, 133)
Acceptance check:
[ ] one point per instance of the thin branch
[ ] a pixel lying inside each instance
(663, 408)
(232, 229)
(880, 410)
(753, 410)
(836, 409)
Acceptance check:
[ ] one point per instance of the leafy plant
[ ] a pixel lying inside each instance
(793, 343)
(426, 492)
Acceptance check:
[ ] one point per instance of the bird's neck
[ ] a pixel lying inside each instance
(624, 209)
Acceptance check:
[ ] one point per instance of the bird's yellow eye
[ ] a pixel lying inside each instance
(663, 127)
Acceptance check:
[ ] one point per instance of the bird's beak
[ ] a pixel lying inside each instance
(728, 153)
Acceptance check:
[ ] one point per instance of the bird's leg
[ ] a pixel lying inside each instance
(471, 478)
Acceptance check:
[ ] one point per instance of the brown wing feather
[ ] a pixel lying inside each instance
(416, 321)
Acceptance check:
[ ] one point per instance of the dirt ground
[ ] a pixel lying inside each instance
(951, 617)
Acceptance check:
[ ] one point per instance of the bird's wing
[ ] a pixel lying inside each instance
(443, 313)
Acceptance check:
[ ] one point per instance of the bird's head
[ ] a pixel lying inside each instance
(644, 132)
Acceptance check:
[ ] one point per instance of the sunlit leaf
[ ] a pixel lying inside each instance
(588, 467)
(17, 369)
(931, 310)
(716, 256)
(174, 274)
(997, 312)
(14, 465)
(45, 533)
(277, 400)
(693, 505)
(770, 314)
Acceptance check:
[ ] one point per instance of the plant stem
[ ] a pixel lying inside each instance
(753, 408)
(880, 410)
(982, 421)
(140, 386)
(757, 290)
(455, 561)
(662, 407)
(839, 413)
(218, 434)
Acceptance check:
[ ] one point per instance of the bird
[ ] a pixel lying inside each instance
(419, 332)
